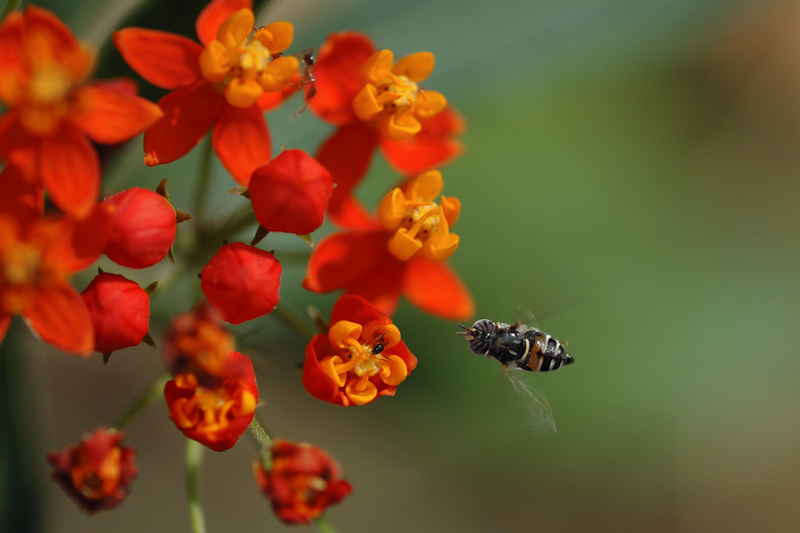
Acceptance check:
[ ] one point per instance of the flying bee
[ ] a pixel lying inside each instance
(530, 349)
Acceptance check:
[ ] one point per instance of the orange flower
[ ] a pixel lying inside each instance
(377, 103)
(37, 259)
(361, 357)
(225, 84)
(300, 480)
(215, 417)
(97, 473)
(53, 115)
(196, 343)
(403, 253)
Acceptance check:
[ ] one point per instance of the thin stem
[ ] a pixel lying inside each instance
(322, 525)
(194, 457)
(203, 178)
(260, 435)
(141, 402)
(290, 318)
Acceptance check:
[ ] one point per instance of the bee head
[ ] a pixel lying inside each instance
(479, 335)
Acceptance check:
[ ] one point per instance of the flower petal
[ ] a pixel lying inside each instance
(381, 287)
(164, 59)
(17, 146)
(437, 289)
(353, 308)
(188, 115)
(337, 74)
(14, 68)
(416, 67)
(111, 117)
(214, 14)
(70, 170)
(22, 198)
(434, 146)
(82, 240)
(315, 381)
(241, 140)
(59, 317)
(342, 258)
(347, 155)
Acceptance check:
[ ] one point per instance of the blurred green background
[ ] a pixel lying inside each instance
(631, 177)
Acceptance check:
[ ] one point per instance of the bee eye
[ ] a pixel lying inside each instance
(377, 349)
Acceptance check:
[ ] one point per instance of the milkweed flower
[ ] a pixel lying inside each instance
(225, 84)
(377, 102)
(120, 312)
(197, 343)
(37, 259)
(290, 193)
(403, 252)
(300, 481)
(54, 114)
(214, 416)
(362, 356)
(241, 282)
(97, 473)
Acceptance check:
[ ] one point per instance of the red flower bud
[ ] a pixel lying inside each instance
(290, 193)
(144, 228)
(241, 282)
(215, 417)
(97, 473)
(120, 312)
(301, 481)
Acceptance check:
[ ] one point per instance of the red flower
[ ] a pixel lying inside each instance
(361, 357)
(120, 312)
(97, 473)
(402, 253)
(225, 84)
(215, 417)
(301, 481)
(53, 115)
(290, 193)
(377, 104)
(197, 344)
(144, 228)
(241, 282)
(37, 258)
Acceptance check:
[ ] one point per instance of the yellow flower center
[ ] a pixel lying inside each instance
(244, 62)
(361, 356)
(420, 225)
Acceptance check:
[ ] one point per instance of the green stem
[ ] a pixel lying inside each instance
(203, 179)
(291, 319)
(194, 456)
(141, 402)
(322, 525)
(11, 5)
(260, 435)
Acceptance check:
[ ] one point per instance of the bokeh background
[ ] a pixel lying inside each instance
(632, 177)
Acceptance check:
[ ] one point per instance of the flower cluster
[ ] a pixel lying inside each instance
(54, 224)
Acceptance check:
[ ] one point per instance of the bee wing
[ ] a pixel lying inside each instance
(525, 320)
(538, 407)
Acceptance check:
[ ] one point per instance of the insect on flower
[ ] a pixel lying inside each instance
(530, 349)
